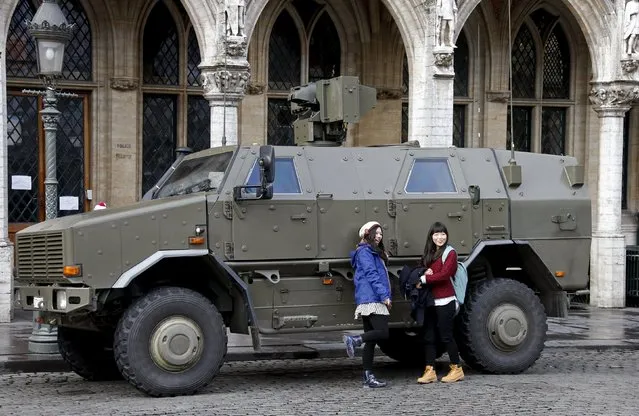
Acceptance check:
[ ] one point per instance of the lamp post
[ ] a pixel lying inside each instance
(51, 32)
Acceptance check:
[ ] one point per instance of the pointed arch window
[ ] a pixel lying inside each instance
(174, 112)
(288, 56)
(324, 50)
(542, 103)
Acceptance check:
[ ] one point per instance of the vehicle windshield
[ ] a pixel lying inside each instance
(196, 175)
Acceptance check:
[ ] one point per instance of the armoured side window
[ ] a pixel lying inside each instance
(286, 180)
(430, 175)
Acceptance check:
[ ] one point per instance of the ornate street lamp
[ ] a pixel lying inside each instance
(51, 32)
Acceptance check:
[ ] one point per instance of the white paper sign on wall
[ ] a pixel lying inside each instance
(20, 182)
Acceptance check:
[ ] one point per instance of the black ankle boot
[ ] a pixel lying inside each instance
(371, 382)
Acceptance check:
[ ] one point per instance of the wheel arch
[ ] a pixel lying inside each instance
(198, 270)
(516, 259)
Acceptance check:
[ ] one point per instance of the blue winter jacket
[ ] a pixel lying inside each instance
(371, 277)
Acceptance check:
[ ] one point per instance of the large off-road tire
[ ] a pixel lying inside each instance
(170, 342)
(88, 353)
(503, 327)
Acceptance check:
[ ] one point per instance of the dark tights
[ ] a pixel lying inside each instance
(375, 329)
(440, 319)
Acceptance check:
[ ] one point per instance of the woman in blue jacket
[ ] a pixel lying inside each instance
(372, 296)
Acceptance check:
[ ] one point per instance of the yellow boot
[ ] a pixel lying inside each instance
(429, 375)
(455, 374)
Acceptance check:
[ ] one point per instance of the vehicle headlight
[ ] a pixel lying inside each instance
(61, 299)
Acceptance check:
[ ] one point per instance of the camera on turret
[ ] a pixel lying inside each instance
(325, 107)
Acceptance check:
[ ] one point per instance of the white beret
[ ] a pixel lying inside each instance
(367, 227)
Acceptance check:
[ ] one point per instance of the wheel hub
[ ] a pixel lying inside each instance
(176, 343)
(507, 327)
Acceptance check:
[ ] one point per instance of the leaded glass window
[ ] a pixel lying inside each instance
(307, 10)
(20, 48)
(460, 86)
(553, 130)
(160, 48)
(77, 53)
(21, 52)
(158, 137)
(284, 62)
(70, 151)
(543, 84)
(404, 122)
(198, 123)
(556, 65)
(193, 60)
(280, 123)
(459, 125)
(324, 50)
(522, 128)
(524, 61)
(22, 141)
(405, 76)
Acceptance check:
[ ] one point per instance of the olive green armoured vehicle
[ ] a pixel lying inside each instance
(256, 239)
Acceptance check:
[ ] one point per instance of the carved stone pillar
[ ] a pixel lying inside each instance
(607, 259)
(225, 81)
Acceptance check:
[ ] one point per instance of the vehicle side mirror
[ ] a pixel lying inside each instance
(267, 163)
(475, 194)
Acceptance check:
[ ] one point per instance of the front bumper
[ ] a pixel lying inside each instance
(54, 298)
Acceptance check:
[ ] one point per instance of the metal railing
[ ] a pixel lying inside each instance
(632, 275)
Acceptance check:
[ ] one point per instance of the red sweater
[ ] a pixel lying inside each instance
(440, 283)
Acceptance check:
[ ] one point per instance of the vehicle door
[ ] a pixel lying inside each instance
(284, 227)
(432, 187)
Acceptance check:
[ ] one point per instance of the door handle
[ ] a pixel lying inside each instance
(298, 217)
(324, 196)
(455, 214)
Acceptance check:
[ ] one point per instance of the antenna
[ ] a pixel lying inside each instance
(510, 76)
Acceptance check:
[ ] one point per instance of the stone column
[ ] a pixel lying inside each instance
(431, 89)
(607, 258)
(225, 80)
(6, 247)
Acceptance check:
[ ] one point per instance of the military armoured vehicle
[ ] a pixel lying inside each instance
(256, 239)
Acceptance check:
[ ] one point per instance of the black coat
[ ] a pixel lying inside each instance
(420, 299)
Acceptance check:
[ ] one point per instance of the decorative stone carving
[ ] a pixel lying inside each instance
(614, 95)
(235, 14)
(631, 26)
(389, 93)
(236, 47)
(124, 84)
(629, 65)
(225, 81)
(255, 89)
(446, 20)
(498, 96)
(443, 58)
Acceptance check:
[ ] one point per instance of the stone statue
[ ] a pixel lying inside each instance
(631, 26)
(446, 19)
(234, 13)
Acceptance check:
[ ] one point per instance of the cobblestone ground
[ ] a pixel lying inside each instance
(563, 382)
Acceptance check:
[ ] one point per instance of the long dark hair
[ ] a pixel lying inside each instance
(369, 238)
(431, 251)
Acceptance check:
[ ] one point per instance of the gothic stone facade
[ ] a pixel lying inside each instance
(154, 75)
